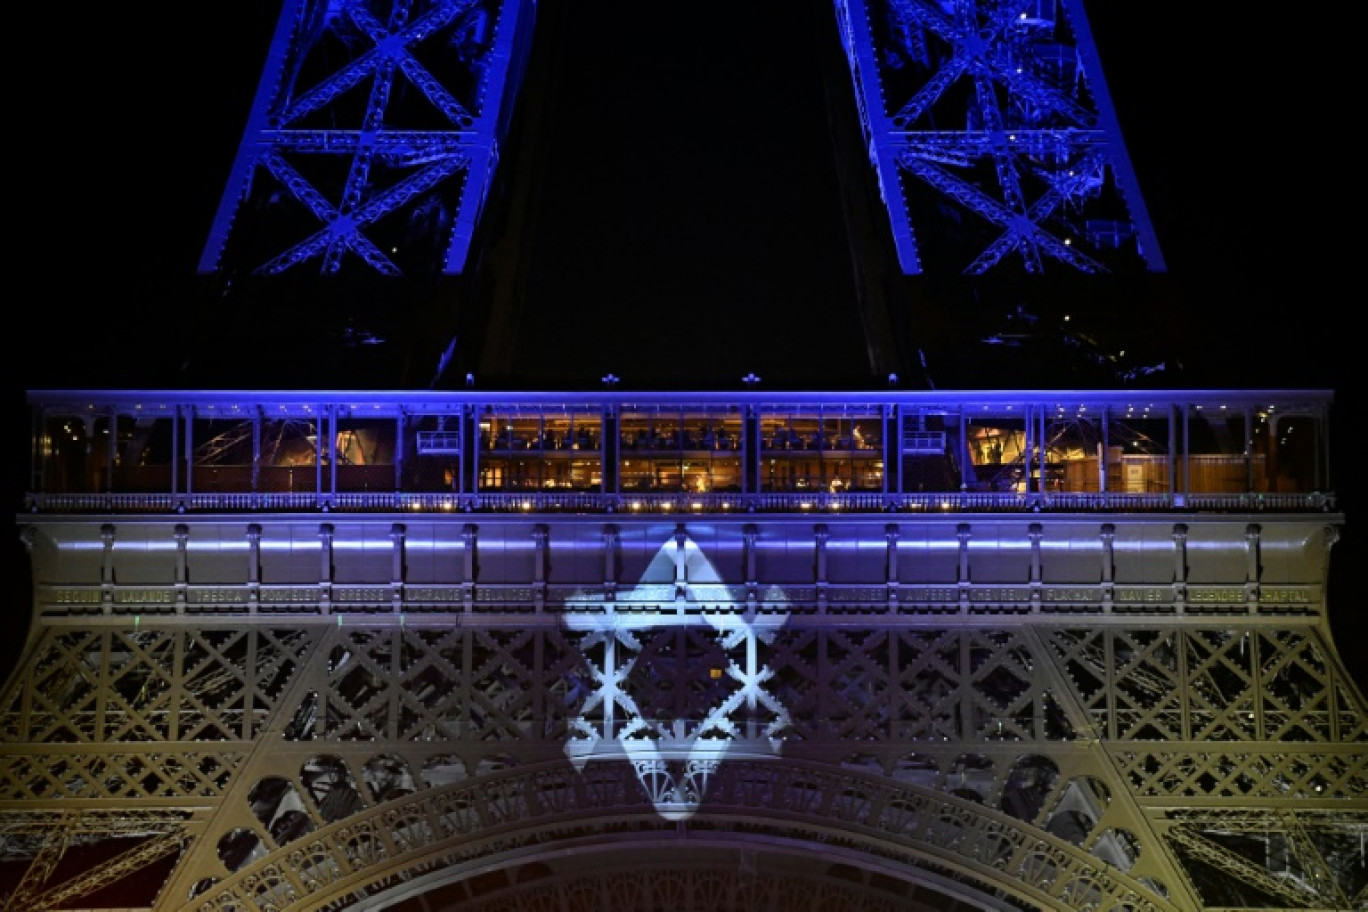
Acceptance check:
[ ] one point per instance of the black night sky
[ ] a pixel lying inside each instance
(686, 212)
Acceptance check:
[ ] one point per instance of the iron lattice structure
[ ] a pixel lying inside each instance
(374, 137)
(991, 129)
(261, 678)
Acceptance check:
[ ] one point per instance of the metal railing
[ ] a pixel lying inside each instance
(581, 502)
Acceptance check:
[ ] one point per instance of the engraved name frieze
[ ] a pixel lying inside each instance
(432, 594)
(999, 594)
(289, 595)
(360, 593)
(74, 596)
(216, 596)
(1270, 595)
(1149, 594)
(1071, 594)
(1214, 596)
(144, 597)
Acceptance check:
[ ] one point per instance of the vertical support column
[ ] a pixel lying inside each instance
(1104, 480)
(962, 532)
(89, 481)
(892, 533)
(751, 451)
(398, 566)
(611, 538)
(1108, 536)
(470, 452)
(1253, 546)
(330, 417)
(681, 569)
(325, 568)
(182, 533)
(820, 535)
(1261, 706)
(540, 534)
(1042, 456)
(396, 673)
(609, 700)
(892, 450)
(1180, 534)
(320, 438)
(1179, 644)
(968, 473)
(107, 569)
(400, 451)
(1173, 412)
(610, 453)
(1035, 532)
(470, 535)
(181, 460)
(112, 460)
(253, 568)
(749, 535)
(1183, 481)
(256, 452)
(28, 536)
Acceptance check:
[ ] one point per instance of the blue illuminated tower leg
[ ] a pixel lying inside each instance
(371, 143)
(992, 134)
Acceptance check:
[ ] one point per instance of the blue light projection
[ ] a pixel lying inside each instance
(997, 112)
(677, 685)
(373, 139)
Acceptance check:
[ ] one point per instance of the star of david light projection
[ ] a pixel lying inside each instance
(676, 682)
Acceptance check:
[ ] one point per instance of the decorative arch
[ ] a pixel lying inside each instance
(893, 839)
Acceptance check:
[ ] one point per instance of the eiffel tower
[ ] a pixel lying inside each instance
(754, 648)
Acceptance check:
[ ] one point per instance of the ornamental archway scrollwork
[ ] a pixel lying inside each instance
(437, 837)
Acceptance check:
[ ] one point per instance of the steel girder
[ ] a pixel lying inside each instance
(993, 137)
(323, 746)
(373, 138)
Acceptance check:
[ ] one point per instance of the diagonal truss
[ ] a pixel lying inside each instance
(991, 715)
(373, 138)
(992, 136)
(375, 135)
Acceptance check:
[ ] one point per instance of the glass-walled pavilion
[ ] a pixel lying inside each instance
(706, 451)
